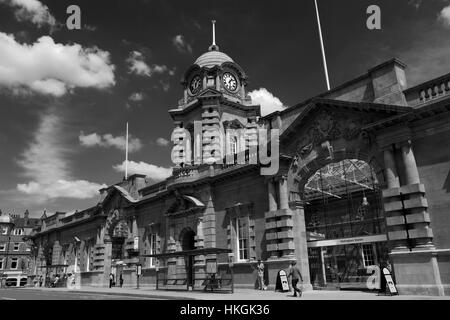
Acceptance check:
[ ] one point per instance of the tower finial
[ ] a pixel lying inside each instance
(214, 32)
(213, 46)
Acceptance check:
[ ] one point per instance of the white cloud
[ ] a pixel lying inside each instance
(155, 173)
(268, 102)
(137, 65)
(78, 189)
(108, 140)
(52, 68)
(45, 163)
(162, 142)
(444, 17)
(181, 45)
(136, 96)
(31, 10)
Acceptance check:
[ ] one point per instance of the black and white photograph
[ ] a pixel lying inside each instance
(238, 154)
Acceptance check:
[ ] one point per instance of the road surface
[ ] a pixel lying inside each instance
(26, 294)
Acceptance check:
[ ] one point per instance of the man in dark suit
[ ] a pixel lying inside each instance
(296, 276)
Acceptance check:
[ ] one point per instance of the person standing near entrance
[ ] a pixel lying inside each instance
(296, 276)
(121, 280)
(260, 271)
(111, 279)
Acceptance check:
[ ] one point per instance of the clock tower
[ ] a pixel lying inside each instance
(215, 96)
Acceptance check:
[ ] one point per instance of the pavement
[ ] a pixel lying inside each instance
(153, 294)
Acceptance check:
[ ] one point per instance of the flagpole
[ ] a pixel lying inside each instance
(322, 47)
(126, 154)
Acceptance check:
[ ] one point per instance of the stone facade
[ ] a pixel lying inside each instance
(402, 133)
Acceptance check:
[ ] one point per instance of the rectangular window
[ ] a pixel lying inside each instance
(2, 247)
(14, 263)
(1, 263)
(153, 249)
(368, 255)
(16, 246)
(241, 226)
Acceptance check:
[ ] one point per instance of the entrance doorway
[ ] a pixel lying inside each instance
(187, 239)
(345, 224)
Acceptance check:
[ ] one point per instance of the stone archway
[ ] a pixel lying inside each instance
(304, 166)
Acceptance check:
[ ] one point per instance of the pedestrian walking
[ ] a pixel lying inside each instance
(41, 279)
(111, 280)
(296, 276)
(121, 280)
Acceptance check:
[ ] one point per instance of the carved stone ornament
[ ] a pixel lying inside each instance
(233, 124)
(331, 126)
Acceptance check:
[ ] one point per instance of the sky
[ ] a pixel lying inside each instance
(66, 95)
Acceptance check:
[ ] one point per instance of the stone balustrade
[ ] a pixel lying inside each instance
(430, 90)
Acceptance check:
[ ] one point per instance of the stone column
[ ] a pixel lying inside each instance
(409, 163)
(393, 207)
(390, 168)
(107, 263)
(300, 242)
(272, 196)
(284, 196)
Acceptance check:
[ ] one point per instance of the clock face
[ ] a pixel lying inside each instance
(229, 81)
(195, 85)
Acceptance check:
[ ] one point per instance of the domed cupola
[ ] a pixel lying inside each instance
(212, 58)
(214, 71)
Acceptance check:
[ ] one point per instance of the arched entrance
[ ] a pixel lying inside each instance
(118, 236)
(187, 242)
(345, 224)
(328, 146)
(187, 239)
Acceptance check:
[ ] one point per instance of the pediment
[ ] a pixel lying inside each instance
(327, 120)
(117, 197)
(233, 124)
(208, 92)
(184, 204)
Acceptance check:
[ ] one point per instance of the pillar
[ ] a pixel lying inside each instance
(284, 196)
(272, 196)
(390, 168)
(393, 206)
(413, 256)
(300, 242)
(414, 201)
(409, 163)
